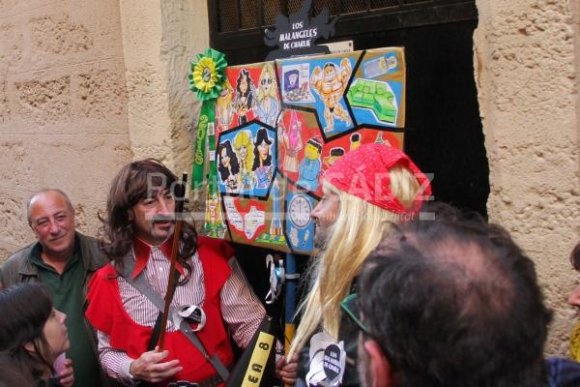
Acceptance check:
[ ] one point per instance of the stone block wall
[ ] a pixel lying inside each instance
(527, 61)
(63, 108)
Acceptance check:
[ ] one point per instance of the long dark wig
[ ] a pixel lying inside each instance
(261, 136)
(234, 163)
(136, 181)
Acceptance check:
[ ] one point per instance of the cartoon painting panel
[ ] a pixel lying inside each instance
(237, 101)
(300, 143)
(377, 92)
(267, 106)
(323, 89)
(247, 158)
(214, 225)
(280, 125)
(258, 222)
(246, 218)
(295, 82)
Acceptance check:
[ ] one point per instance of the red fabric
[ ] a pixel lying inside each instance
(142, 251)
(105, 312)
(364, 173)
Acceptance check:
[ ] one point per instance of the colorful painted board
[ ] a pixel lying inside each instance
(281, 124)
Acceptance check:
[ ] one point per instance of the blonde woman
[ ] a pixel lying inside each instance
(267, 104)
(244, 149)
(365, 192)
(224, 111)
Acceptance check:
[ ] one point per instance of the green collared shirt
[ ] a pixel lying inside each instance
(67, 295)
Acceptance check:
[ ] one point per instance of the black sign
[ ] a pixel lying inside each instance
(296, 35)
(331, 363)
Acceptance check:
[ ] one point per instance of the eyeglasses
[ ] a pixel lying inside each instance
(350, 306)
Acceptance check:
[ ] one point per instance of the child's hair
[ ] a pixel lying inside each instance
(25, 309)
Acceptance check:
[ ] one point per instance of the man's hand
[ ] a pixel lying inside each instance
(286, 370)
(66, 376)
(148, 366)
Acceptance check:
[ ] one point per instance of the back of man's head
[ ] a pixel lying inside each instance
(455, 302)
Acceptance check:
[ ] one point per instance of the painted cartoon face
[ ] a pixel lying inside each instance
(293, 79)
(243, 153)
(329, 73)
(264, 150)
(311, 152)
(244, 84)
(224, 157)
(266, 81)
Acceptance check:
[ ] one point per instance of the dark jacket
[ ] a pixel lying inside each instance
(19, 268)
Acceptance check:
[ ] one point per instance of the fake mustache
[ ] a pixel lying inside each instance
(163, 218)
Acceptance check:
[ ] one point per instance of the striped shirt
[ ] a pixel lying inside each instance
(241, 309)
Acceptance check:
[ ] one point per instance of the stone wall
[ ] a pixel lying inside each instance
(86, 87)
(63, 107)
(526, 67)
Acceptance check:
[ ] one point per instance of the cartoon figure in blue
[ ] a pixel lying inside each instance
(267, 104)
(310, 166)
(262, 167)
(330, 81)
(291, 81)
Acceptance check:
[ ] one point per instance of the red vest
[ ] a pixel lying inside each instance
(106, 313)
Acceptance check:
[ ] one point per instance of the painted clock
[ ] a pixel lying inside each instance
(299, 210)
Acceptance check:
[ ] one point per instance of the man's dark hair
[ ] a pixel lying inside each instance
(455, 302)
(135, 181)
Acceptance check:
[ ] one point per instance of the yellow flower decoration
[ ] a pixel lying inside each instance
(207, 74)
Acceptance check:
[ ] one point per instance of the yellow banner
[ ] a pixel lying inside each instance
(258, 361)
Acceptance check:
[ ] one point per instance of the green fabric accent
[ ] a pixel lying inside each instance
(67, 296)
(206, 117)
(212, 189)
(206, 79)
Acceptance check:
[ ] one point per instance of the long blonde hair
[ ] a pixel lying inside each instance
(244, 139)
(268, 69)
(358, 229)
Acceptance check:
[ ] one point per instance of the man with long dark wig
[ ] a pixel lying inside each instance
(137, 237)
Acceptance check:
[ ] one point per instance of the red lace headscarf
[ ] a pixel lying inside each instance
(365, 173)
